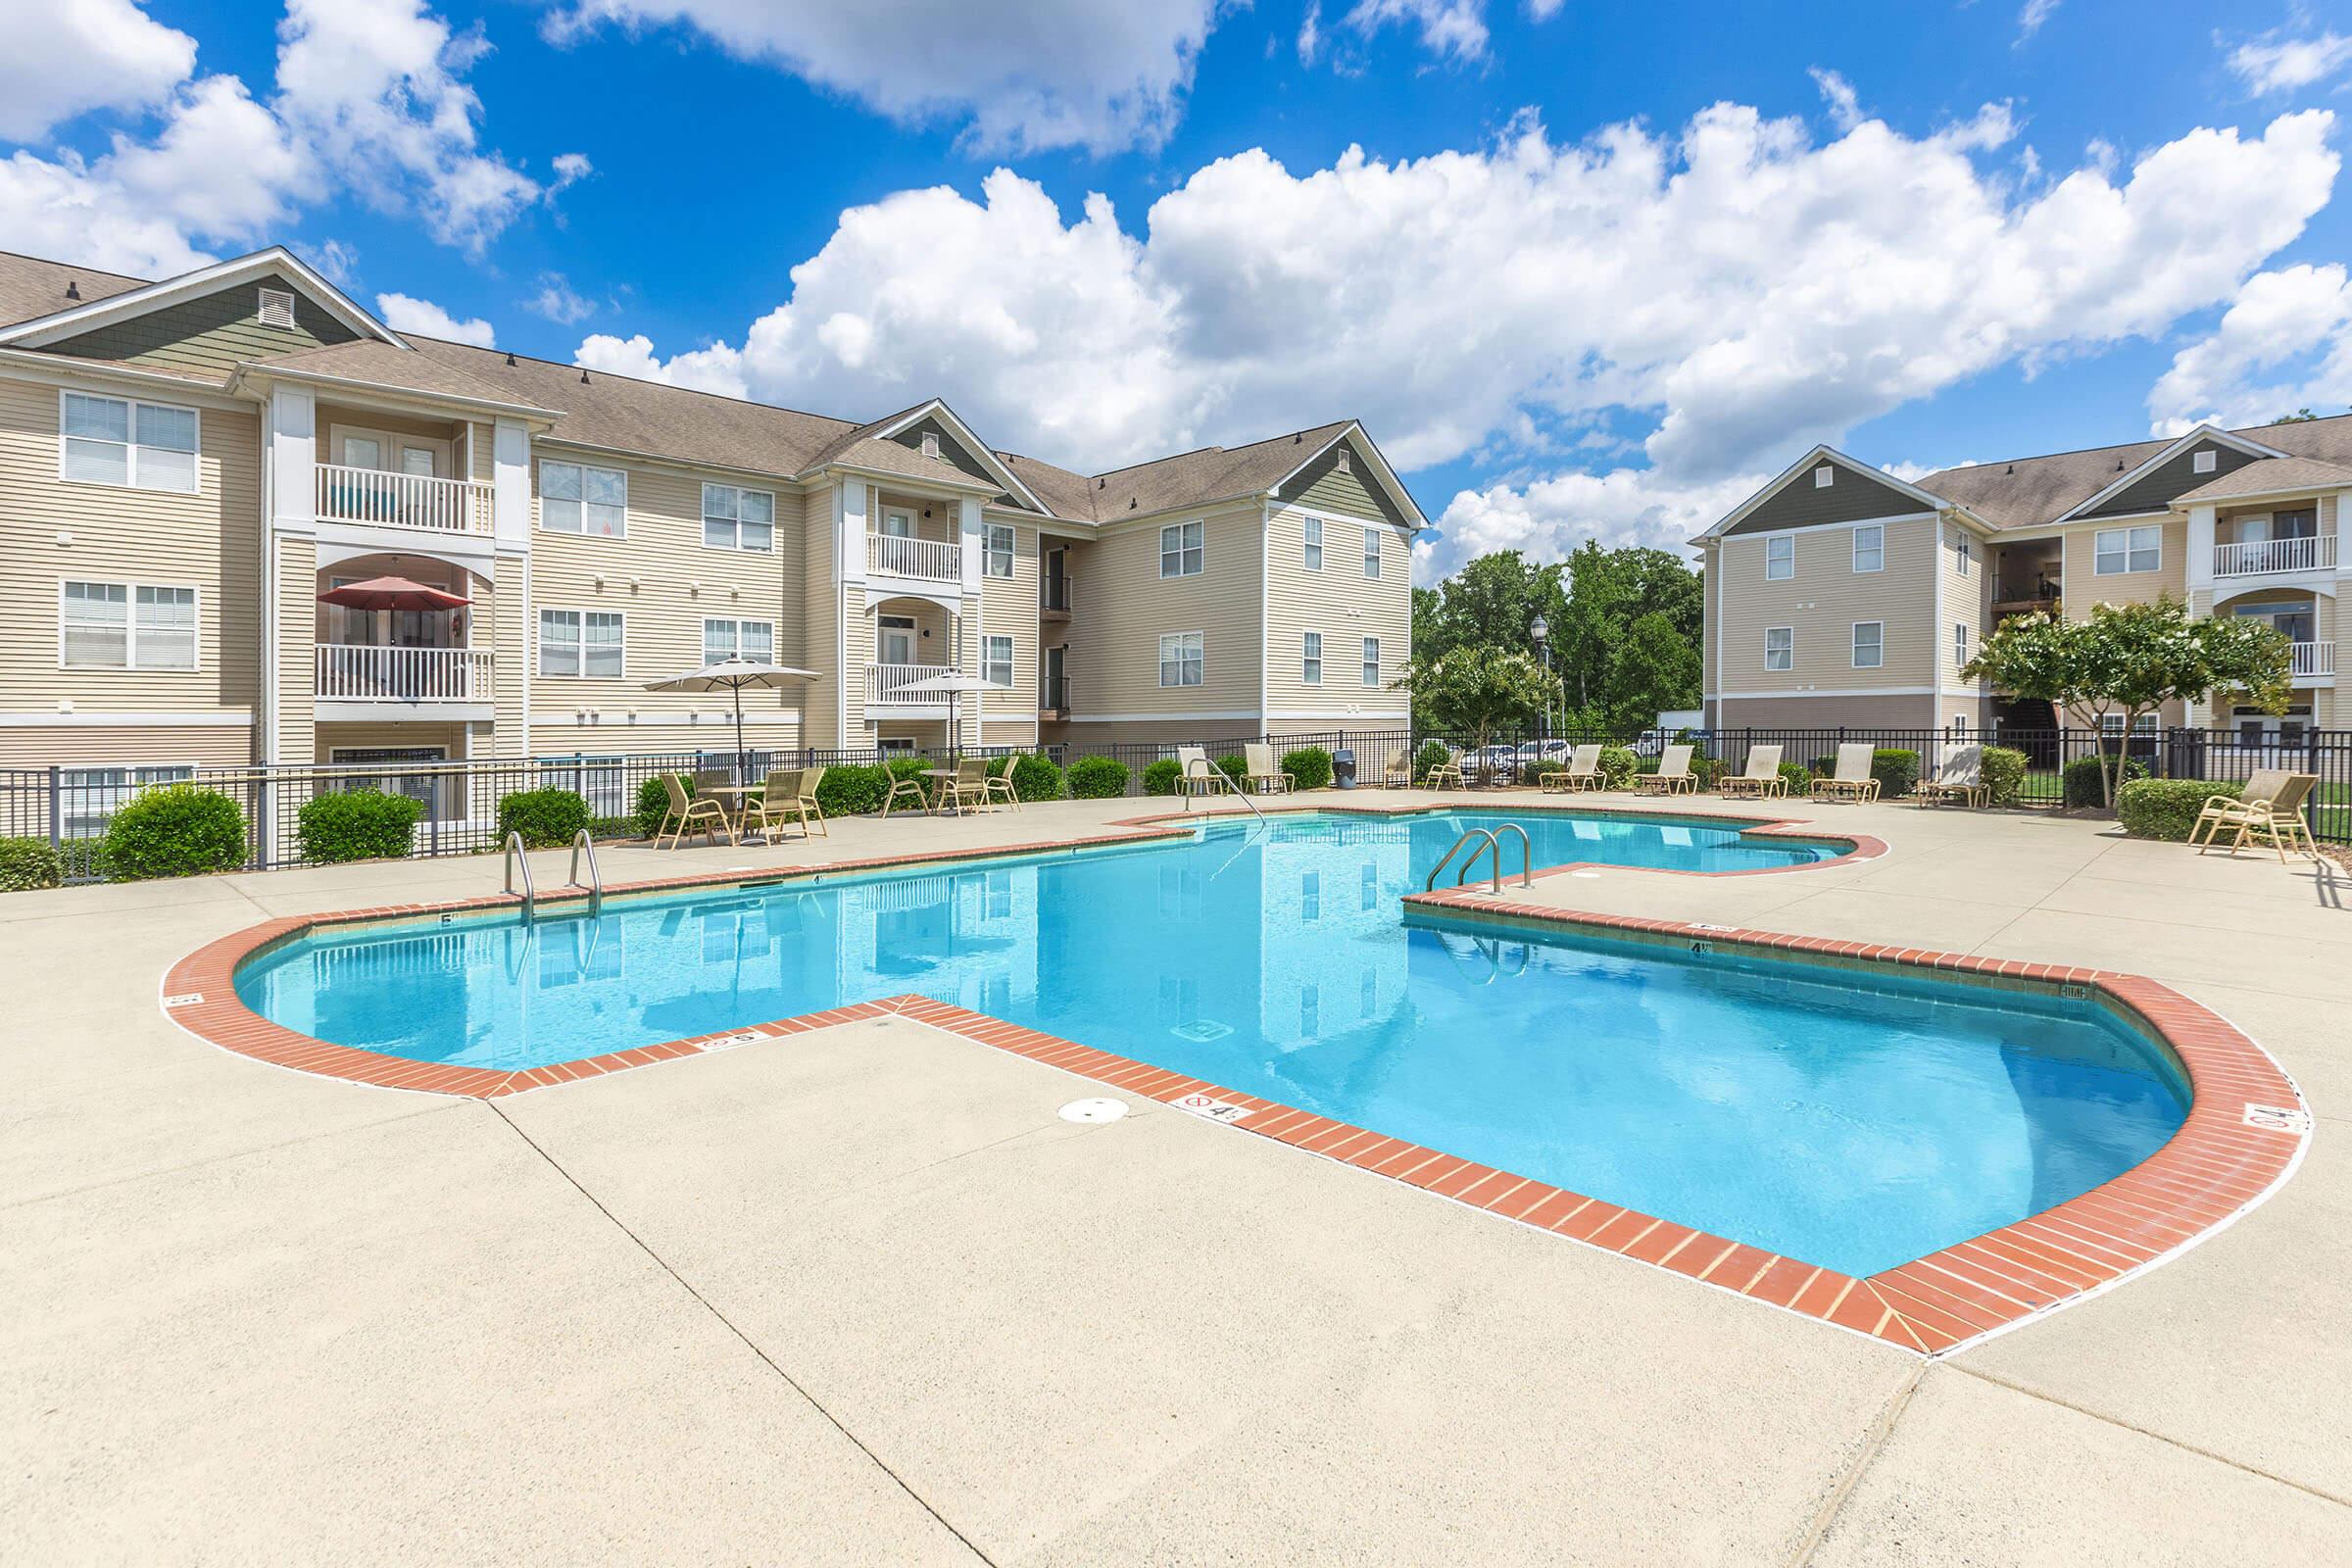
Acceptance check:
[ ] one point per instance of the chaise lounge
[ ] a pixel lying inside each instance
(1759, 779)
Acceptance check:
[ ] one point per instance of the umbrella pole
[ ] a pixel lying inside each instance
(743, 759)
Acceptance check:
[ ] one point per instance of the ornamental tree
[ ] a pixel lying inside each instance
(2129, 660)
(1477, 689)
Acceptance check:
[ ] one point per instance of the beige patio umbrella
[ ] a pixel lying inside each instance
(733, 675)
(954, 683)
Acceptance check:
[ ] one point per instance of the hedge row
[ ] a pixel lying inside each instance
(2167, 808)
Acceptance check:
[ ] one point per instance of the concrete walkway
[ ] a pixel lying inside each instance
(859, 1296)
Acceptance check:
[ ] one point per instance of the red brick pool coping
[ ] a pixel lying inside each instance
(2219, 1163)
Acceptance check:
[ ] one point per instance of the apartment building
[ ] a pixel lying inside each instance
(186, 465)
(1840, 594)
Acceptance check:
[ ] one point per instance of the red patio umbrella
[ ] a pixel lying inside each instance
(392, 593)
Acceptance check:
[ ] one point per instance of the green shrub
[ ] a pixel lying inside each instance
(175, 830)
(357, 825)
(2004, 773)
(1037, 777)
(1234, 766)
(850, 789)
(545, 818)
(653, 802)
(1310, 767)
(1798, 777)
(2166, 808)
(1432, 755)
(1618, 764)
(26, 863)
(2080, 780)
(1895, 769)
(1163, 776)
(900, 769)
(1098, 778)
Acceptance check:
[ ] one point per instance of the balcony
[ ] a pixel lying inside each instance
(371, 672)
(2256, 557)
(1054, 697)
(1053, 598)
(931, 560)
(2313, 660)
(885, 685)
(389, 500)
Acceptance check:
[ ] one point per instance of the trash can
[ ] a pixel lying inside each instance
(1343, 768)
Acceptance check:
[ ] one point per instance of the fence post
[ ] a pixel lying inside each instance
(57, 813)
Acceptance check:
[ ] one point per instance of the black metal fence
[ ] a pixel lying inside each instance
(70, 806)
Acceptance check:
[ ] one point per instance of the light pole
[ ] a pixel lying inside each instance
(1542, 631)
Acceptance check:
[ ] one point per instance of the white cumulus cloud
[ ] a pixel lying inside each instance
(91, 54)
(2275, 64)
(1549, 517)
(403, 312)
(2284, 343)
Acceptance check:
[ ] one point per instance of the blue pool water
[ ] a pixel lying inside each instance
(1847, 1120)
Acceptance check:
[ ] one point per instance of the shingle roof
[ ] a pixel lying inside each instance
(382, 365)
(1188, 479)
(2267, 475)
(32, 288)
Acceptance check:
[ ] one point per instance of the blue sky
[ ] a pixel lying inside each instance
(1581, 275)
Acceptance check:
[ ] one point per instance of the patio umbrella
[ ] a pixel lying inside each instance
(392, 593)
(733, 675)
(954, 683)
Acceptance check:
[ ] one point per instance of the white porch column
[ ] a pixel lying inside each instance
(854, 518)
(2202, 531)
(292, 438)
(510, 534)
(972, 531)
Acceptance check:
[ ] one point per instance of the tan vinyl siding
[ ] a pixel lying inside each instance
(1009, 609)
(1116, 627)
(1822, 603)
(1345, 607)
(1967, 601)
(52, 532)
(212, 333)
(297, 582)
(112, 746)
(2084, 587)
(821, 610)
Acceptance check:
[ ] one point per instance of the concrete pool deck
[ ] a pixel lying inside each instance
(860, 1295)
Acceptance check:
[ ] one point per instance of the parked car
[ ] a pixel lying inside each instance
(1542, 751)
(1491, 761)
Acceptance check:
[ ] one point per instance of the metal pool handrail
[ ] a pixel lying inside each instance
(1493, 844)
(515, 856)
(596, 882)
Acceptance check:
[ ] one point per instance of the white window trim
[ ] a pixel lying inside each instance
(2126, 570)
(1011, 654)
(539, 612)
(1012, 549)
(130, 587)
(1163, 659)
(1310, 544)
(130, 470)
(1959, 643)
(1371, 657)
(1825, 475)
(2204, 461)
(1768, 666)
(1853, 646)
(1306, 658)
(709, 485)
(1770, 541)
(539, 495)
(1372, 553)
(1877, 528)
(736, 621)
(1177, 528)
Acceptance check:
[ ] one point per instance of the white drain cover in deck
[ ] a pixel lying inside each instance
(1093, 1111)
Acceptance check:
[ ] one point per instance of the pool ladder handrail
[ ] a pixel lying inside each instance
(596, 882)
(1226, 779)
(515, 856)
(1493, 846)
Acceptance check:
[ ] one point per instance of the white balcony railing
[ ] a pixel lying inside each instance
(885, 685)
(402, 500)
(2255, 557)
(2313, 659)
(934, 560)
(369, 673)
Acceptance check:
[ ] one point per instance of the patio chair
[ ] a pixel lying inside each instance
(999, 786)
(1397, 773)
(1674, 775)
(966, 788)
(1197, 774)
(1760, 778)
(782, 799)
(686, 811)
(811, 778)
(1852, 780)
(1257, 768)
(2262, 784)
(904, 789)
(2277, 821)
(1960, 777)
(1449, 771)
(1582, 771)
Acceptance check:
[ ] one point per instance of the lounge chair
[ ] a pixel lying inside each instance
(2277, 821)
(1582, 771)
(1198, 775)
(1397, 773)
(1257, 768)
(688, 811)
(1761, 777)
(1960, 777)
(1674, 775)
(1852, 780)
(2262, 784)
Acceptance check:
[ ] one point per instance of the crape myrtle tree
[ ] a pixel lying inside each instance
(2128, 661)
(1477, 689)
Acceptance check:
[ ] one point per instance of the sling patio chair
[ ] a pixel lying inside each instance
(966, 789)
(1852, 780)
(1582, 771)
(1257, 768)
(2262, 784)
(1674, 775)
(2277, 821)
(787, 796)
(999, 787)
(1397, 773)
(1760, 778)
(686, 812)
(901, 790)
(1448, 771)
(1959, 777)
(1197, 774)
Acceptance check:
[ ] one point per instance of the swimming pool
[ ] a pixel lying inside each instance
(1854, 1121)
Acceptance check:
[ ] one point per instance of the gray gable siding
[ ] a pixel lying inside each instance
(212, 332)
(1855, 497)
(950, 448)
(1321, 486)
(2154, 491)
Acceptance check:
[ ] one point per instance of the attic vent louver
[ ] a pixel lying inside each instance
(509, 355)
(1131, 503)
(73, 289)
(583, 379)
(277, 308)
(2012, 468)
(930, 444)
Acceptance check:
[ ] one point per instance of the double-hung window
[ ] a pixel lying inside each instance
(1959, 644)
(1870, 644)
(1181, 550)
(118, 625)
(1314, 559)
(1962, 552)
(733, 518)
(147, 446)
(89, 797)
(1310, 662)
(996, 661)
(1870, 547)
(575, 498)
(2121, 549)
(1371, 660)
(582, 643)
(997, 559)
(1371, 552)
(754, 641)
(1779, 558)
(1181, 658)
(1780, 647)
